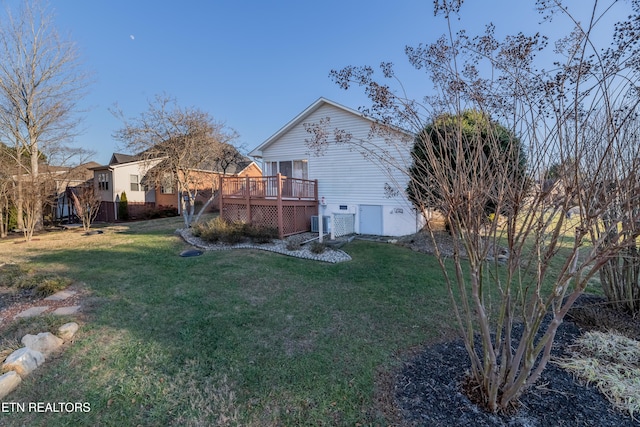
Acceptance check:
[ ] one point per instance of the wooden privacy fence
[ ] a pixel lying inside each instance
(271, 201)
(108, 211)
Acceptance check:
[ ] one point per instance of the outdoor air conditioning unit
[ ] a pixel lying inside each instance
(326, 221)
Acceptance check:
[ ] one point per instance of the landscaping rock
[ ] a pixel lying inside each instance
(190, 253)
(61, 295)
(65, 311)
(277, 246)
(23, 361)
(8, 383)
(45, 342)
(33, 311)
(67, 331)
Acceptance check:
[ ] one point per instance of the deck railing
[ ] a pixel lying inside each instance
(278, 186)
(273, 201)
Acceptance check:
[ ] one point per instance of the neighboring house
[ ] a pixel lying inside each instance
(126, 173)
(57, 183)
(353, 185)
(60, 181)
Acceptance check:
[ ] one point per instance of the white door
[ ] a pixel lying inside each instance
(370, 219)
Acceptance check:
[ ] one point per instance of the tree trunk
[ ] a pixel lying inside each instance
(37, 193)
(19, 192)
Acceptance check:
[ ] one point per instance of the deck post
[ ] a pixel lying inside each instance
(279, 206)
(315, 196)
(247, 195)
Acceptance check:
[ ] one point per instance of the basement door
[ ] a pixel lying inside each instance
(370, 221)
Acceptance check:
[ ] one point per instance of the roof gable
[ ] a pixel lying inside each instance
(118, 158)
(257, 152)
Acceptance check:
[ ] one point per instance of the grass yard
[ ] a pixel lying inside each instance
(232, 337)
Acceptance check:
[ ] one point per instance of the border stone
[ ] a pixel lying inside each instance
(277, 246)
(9, 382)
(45, 342)
(68, 330)
(23, 361)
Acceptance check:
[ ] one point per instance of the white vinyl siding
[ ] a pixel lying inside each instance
(347, 176)
(121, 181)
(342, 171)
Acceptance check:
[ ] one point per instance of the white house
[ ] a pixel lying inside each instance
(361, 178)
(124, 173)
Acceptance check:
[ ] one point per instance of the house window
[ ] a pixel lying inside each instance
(271, 168)
(103, 181)
(167, 184)
(135, 182)
(290, 168)
(300, 169)
(286, 169)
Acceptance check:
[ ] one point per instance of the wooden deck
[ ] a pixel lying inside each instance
(272, 201)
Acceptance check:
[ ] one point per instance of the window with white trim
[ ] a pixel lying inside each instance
(135, 183)
(289, 168)
(103, 181)
(167, 184)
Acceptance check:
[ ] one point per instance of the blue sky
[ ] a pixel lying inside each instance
(251, 64)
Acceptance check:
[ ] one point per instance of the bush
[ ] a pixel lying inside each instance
(317, 247)
(261, 234)
(232, 232)
(294, 243)
(197, 229)
(211, 231)
(123, 207)
(235, 234)
(160, 212)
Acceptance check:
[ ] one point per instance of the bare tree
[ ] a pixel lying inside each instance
(512, 282)
(40, 84)
(6, 184)
(229, 158)
(4, 205)
(87, 204)
(182, 143)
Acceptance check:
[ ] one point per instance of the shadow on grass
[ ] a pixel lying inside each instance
(243, 336)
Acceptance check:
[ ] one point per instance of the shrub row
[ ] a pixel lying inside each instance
(220, 230)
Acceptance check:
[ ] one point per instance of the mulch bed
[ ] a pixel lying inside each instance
(428, 387)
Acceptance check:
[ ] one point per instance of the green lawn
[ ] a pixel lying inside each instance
(241, 337)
